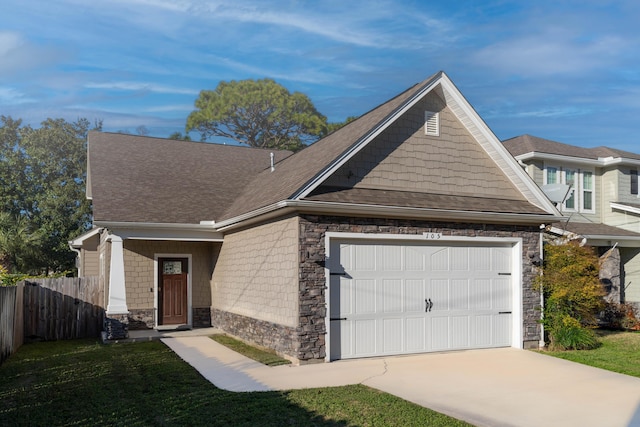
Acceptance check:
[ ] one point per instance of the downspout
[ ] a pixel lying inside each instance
(541, 343)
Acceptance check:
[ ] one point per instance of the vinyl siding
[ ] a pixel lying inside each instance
(404, 158)
(256, 274)
(139, 270)
(631, 259)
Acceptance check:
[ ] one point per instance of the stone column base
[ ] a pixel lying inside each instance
(116, 326)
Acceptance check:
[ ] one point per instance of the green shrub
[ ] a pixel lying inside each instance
(572, 293)
(569, 334)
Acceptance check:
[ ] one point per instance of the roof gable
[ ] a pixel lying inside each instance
(404, 158)
(301, 174)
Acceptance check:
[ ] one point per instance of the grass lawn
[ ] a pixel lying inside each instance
(83, 382)
(619, 352)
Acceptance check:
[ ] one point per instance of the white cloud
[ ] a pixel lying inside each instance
(11, 96)
(554, 52)
(18, 55)
(141, 87)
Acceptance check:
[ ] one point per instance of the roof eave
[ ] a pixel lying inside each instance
(162, 231)
(333, 208)
(561, 158)
(625, 208)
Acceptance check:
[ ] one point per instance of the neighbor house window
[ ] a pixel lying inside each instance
(570, 179)
(431, 123)
(582, 187)
(587, 191)
(634, 181)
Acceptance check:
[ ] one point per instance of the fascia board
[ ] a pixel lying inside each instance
(162, 231)
(494, 148)
(559, 158)
(78, 241)
(420, 213)
(366, 139)
(288, 206)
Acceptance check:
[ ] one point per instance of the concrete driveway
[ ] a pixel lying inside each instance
(495, 387)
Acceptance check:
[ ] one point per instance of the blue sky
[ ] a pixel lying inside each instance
(563, 70)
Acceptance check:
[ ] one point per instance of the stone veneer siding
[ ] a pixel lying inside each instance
(280, 338)
(312, 330)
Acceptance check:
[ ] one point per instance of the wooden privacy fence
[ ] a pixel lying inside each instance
(11, 321)
(49, 309)
(62, 308)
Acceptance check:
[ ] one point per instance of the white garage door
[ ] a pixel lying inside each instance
(399, 298)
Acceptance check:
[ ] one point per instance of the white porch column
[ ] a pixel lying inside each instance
(117, 292)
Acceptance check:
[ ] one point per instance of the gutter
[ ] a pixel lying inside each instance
(289, 206)
(625, 208)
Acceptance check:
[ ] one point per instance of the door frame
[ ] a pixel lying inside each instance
(435, 239)
(156, 278)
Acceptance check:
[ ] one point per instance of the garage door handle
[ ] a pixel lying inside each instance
(337, 318)
(428, 305)
(504, 312)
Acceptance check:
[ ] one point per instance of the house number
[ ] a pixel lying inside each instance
(432, 236)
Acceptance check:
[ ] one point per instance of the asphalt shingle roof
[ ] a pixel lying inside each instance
(422, 200)
(596, 229)
(141, 179)
(527, 143)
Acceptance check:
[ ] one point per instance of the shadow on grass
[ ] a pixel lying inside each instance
(86, 383)
(82, 382)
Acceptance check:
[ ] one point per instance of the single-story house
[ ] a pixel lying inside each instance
(411, 229)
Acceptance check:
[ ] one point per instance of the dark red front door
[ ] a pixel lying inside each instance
(172, 291)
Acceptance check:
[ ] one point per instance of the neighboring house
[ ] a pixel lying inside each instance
(603, 207)
(411, 229)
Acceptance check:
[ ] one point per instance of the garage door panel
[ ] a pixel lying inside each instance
(501, 259)
(381, 288)
(460, 335)
(391, 257)
(501, 294)
(364, 296)
(481, 295)
(364, 258)
(415, 334)
(414, 296)
(341, 297)
(482, 330)
(364, 337)
(439, 260)
(392, 335)
(502, 329)
(391, 298)
(439, 294)
(459, 294)
(479, 259)
(414, 259)
(459, 258)
(439, 333)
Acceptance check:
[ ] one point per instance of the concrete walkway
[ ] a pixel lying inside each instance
(495, 387)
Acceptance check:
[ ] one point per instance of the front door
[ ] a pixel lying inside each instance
(172, 291)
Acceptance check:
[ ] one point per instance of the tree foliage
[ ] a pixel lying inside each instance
(572, 295)
(42, 193)
(259, 113)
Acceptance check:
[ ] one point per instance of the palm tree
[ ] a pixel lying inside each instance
(18, 244)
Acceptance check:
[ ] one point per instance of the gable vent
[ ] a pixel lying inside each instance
(431, 123)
